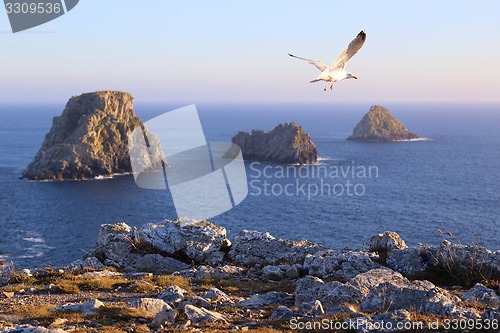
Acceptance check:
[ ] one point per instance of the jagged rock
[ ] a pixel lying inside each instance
(165, 317)
(201, 241)
(90, 262)
(152, 306)
(161, 248)
(387, 241)
(173, 294)
(311, 309)
(30, 329)
(286, 143)
(203, 316)
(334, 296)
(463, 257)
(373, 324)
(381, 290)
(491, 314)
(89, 139)
(271, 298)
(282, 313)
(254, 247)
(89, 307)
(380, 125)
(198, 302)
(342, 264)
(215, 295)
(293, 272)
(407, 261)
(220, 272)
(482, 295)
(274, 273)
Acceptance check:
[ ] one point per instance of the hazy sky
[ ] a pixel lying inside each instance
(226, 51)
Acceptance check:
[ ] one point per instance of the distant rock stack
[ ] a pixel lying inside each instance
(286, 143)
(88, 139)
(380, 125)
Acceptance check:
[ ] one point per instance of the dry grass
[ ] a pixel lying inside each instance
(42, 314)
(244, 286)
(143, 287)
(164, 281)
(73, 284)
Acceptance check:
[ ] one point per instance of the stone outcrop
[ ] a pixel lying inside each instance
(161, 248)
(254, 247)
(89, 139)
(315, 283)
(286, 143)
(380, 125)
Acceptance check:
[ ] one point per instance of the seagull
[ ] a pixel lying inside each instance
(336, 72)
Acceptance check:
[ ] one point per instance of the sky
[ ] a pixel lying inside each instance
(236, 51)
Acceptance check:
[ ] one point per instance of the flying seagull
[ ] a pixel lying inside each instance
(336, 72)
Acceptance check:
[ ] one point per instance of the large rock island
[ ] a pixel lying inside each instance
(380, 125)
(88, 139)
(286, 143)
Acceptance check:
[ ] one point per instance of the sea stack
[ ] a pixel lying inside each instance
(285, 144)
(380, 125)
(89, 139)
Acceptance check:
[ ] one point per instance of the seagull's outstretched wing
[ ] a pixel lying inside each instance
(350, 51)
(318, 64)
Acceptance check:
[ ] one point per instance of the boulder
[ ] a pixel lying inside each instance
(381, 290)
(274, 273)
(261, 301)
(89, 139)
(286, 143)
(282, 313)
(482, 295)
(165, 317)
(253, 247)
(342, 264)
(219, 272)
(387, 241)
(89, 307)
(215, 295)
(173, 294)
(203, 316)
(152, 306)
(380, 125)
(161, 248)
(407, 261)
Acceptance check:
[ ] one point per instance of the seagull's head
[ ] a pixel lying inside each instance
(350, 76)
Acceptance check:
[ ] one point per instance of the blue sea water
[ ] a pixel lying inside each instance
(450, 181)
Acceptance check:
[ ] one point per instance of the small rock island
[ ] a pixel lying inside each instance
(89, 139)
(380, 125)
(285, 144)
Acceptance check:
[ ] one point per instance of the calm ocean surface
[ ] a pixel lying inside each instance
(449, 182)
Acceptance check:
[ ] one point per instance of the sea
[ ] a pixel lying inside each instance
(446, 185)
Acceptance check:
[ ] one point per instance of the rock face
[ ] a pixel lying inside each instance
(161, 248)
(89, 139)
(380, 125)
(286, 143)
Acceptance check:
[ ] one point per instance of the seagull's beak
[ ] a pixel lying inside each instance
(354, 77)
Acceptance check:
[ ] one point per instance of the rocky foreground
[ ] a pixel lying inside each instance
(184, 276)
